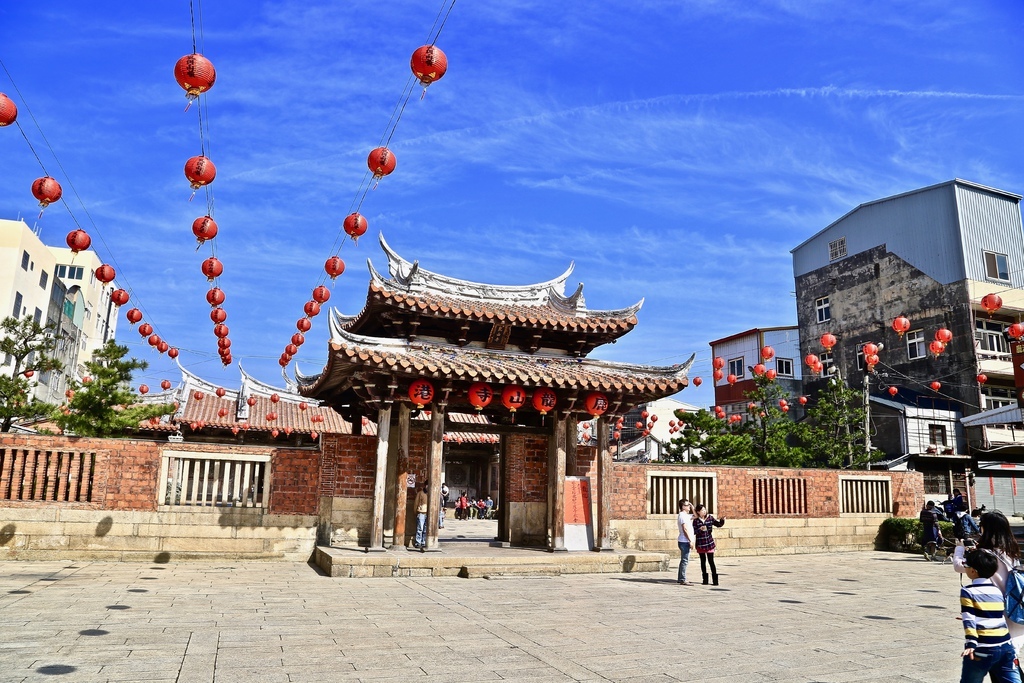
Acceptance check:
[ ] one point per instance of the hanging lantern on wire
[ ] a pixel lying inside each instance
(312, 309)
(718, 363)
(145, 329)
(900, 325)
(936, 347)
(810, 360)
(154, 340)
(828, 340)
(200, 171)
(893, 391)
(731, 379)
(321, 294)
(1016, 330)
(291, 349)
(767, 353)
(421, 392)
(697, 381)
(204, 228)
(143, 389)
(8, 111)
(982, 378)
(165, 384)
(298, 339)
(717, 375)
(381, 162)
(428, 64)
(480, 395)
(870, 349)
(334, 267)
(78, 240)
(544, 400)
(105, 274)
(513, 397)
(163, 346)
(195, 74)
(936, 386)
(220, 330)
(223, 344)
(758, 369)
(596, 403)
(172, 353)
(771, 374)
(990, 302)
(303, 324)
(215, 296)
(354, 225)
(119, 297)
(212, 268)
(46, 190)
(218, 315)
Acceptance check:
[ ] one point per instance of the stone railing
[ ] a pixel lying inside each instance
(213, 479)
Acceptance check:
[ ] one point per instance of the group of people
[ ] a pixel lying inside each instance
(953, 510)
(481, 508)
(696, 527)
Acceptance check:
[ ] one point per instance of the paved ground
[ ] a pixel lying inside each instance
(841, 617)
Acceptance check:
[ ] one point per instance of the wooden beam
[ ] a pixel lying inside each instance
(604, 487)
(380, 477)
(402, 474)
(556, 483)
(434, 473)
(571, 444)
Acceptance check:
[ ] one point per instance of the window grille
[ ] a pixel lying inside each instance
(865, 495)
(780, 496)
(665, 489)
(837, 249)
(27, 474)
(214, 479)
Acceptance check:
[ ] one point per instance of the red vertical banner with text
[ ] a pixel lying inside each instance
(579, 528)
(1017, 351)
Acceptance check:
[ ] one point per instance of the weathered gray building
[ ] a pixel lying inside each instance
(930, 255)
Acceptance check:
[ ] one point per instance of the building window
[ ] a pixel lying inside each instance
(17, 305)
(61, 271)
(824, 309)
(75, 272)
(837, 249)
(937, 435)
(994, 397)
(24, 260)
(826, 363)
(860, 359)
(43, 279)
(736, 366)
(991, 336)
(38, 316)
(915, 345)
(784, 367)
(996, 267)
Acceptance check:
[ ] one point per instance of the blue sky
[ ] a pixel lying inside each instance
(675, 151)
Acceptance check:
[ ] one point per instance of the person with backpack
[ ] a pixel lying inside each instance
(997, 536)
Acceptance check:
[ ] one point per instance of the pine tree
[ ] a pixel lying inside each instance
(834, 431)
(25, 343)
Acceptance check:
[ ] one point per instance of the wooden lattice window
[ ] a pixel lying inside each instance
(780, 496)
(665, 489)
(865, 495)
(29, 474)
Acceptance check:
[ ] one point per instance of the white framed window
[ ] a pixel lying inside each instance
(996, 266)
(837, 249)
(784, 367)
(937, 435)
(823, 307)
(736, 366)
(996, 397)
(991, 336)
(827, 362)
(915, 344)
(860, 359)
(62, 271)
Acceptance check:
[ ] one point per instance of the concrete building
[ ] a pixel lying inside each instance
(742, 351)
(931, 255)
(94, 313)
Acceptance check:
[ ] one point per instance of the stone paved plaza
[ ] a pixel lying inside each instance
(841, 617)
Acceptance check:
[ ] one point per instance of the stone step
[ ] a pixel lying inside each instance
(493, 571)
(660, 545)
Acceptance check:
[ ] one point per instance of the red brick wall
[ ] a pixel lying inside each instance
(296, 485)
(348, 465)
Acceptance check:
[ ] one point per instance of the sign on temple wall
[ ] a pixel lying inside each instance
(579, 527)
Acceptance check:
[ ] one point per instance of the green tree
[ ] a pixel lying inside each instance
(716, 440)
(770, 427)
(103, 406)
(26, 342)
(833, 434)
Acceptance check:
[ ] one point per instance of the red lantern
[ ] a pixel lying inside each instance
(298, 339)
(212, 268)
(223, 412)
(771, 374)
(381, 162)
(900, 325)
(303, 324)
(717, 375)
(145, 329)
(291, 349)
(321, 294)
(334, 267)
(143, 389)
(105, 274)
(697, 381)
(314, 436)
(644, 414)
(198, 395)
(639, 425)
(195, 74)
(283, 361)
(870, 349)
(990, 302)
(78, 240)
(46, 190)
(751, 407)
(810, 360)
(758, 370)
(654, 418)
(204, 228)
(154, 340)
(215, 296)
(1016, 330)
(982, 378)
(251, 401)
(936, 386)
(828, 340)
(274, 432)
(221, 391)
(271, 416)
(893, 391)
(8, 111)
(544, 400)
(731, 379)
(671, 423)
(783, 402)
(428, 64)
(802, 400)
(223, 344)
(274, 398)
(172, 352)
(165, 385)
(200, 171)
(718, 363)
(936, 347)
(311, 308)
(354, 225)
(134, 315)
(303, 405)
(119, 297)
(767, 353)
(943, 335)
(513, 397)
(784, 409)
(596, 403)
(421, 392)
(220, 330)
(617, 435)
(871, 360)
(218, 315)
(480, 395)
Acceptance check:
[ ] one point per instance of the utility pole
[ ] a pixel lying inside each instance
(867, 412)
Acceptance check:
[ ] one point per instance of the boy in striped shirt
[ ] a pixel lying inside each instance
(988, 649)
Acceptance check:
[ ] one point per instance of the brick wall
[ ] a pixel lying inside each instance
(348, 465)
(295, 488)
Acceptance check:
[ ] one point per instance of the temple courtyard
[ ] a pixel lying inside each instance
(867, 616)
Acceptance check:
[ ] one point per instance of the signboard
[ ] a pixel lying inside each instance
(579, 527)
(1017, 349)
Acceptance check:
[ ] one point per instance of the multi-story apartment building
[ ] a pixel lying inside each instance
(742, 351)
(930, 255)
(57, 289)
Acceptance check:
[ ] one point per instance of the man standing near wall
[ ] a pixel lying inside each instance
(421, 517)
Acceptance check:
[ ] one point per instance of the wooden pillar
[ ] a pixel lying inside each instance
(604, 487)
(434, 474)
(380, 478)
(504, 506)
(556, 484)
(402, 474)
(571, 443)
